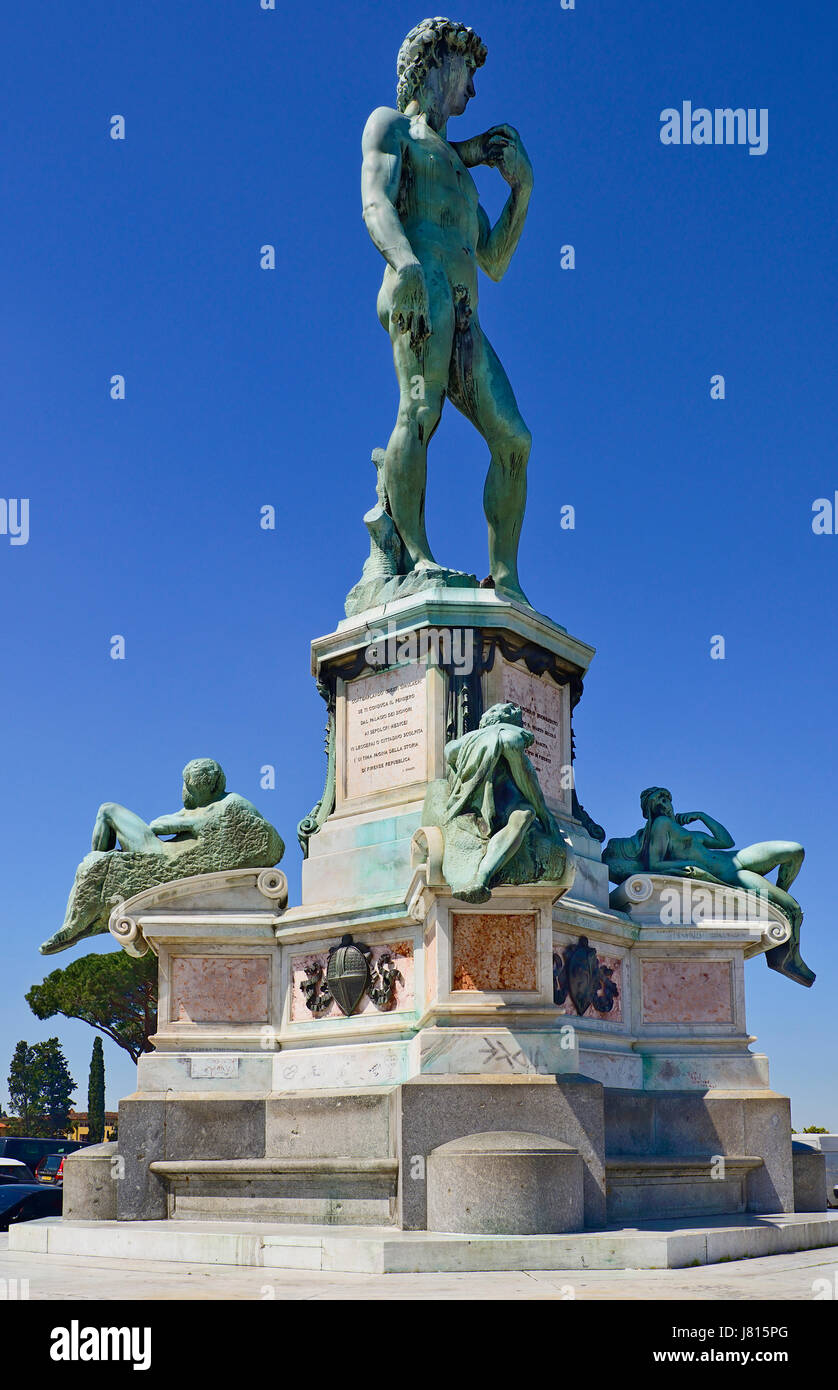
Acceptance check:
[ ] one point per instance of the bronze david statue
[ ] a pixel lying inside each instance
(423, 213)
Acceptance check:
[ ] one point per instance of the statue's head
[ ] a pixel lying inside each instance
(444, 54)
(503, 714)
(203, 782)
(656, 801)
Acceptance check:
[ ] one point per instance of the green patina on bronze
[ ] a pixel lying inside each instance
(423, 213)
(665, 846)
(215, 830)
(495, 823)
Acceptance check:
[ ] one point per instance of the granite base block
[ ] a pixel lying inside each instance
(714, 1123)
(505, 1184)
(433, 1110)
(317, 1124)
(810, 1189)
(91, 1180)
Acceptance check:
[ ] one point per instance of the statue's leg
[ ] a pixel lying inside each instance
(785, 855)
(479, 387)
(756, 883)
(423, 377)
(786, 958)
(505, 844)
(115, 822)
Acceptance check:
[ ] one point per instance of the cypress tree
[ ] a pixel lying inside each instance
(96, 1095)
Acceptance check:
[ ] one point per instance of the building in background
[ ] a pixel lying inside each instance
(78, 1127)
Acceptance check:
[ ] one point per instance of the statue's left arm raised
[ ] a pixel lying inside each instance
(502, 148)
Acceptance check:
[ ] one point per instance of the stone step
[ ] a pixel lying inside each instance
(322, 1168)
(647, 1186)
(357, 1191)
(650, 1245)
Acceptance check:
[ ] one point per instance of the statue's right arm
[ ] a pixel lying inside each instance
(719, 837)
(380, 177)
(525, 776)
(175, 824)
(452, 751)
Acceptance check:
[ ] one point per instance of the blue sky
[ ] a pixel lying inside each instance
(246, 387)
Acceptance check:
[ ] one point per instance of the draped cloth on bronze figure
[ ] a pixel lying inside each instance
(489, 777)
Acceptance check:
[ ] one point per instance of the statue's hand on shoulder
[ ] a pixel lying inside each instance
(410, 311)
(504, 150)
(513, 736)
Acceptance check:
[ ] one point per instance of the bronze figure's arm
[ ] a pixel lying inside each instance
(501, 147)
(719, 838)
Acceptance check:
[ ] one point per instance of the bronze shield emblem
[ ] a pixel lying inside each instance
(582, 974)
(347, 974)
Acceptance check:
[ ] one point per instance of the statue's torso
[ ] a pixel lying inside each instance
(683, 844)
(437, 203)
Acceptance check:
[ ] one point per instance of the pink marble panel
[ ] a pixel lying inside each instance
(220, 989)
(494, 950)
(402, 956)
(686, 991)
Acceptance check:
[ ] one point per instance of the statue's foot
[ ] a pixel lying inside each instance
(791, 964)
(430, 568)
(474, 893)
(59, 941)
(508, 589)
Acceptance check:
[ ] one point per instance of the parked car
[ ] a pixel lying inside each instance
(31, 1151)
(12, 1170)
(27, 1202)
(51, 1169)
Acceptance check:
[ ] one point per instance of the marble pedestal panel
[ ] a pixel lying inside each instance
(474, 993)
(401, 681)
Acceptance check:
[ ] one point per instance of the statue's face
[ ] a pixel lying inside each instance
(456, 82)
(663, 806)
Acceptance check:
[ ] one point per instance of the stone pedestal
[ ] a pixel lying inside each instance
(401, 681)
(315, 1063)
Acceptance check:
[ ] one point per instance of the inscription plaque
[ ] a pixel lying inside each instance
(545, 710)
(386, 739)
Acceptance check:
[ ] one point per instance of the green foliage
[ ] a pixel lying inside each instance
(115, 993)
(96, 1094)
(814, 1129)
(41, 1088)
(21, 1083)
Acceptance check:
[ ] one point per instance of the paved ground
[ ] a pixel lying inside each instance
(800, 1277)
